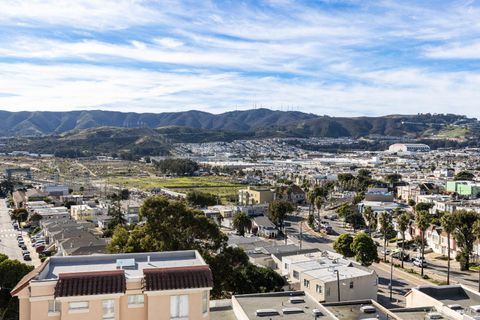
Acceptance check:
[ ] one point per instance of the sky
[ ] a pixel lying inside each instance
(338, 58)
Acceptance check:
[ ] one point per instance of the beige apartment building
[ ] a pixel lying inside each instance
(136, 286)
(255, 195)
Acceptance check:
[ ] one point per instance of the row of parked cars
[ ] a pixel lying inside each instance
(38, 242)
(417, 261)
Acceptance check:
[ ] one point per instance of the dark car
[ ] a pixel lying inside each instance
(27, 257)
(398, 255)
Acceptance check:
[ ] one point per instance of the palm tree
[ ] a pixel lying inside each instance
(449, 223)
(319, 203)
(370, 218)
(423, 222)
(242, 221)
(476, 232)
(403, 221)
(385, 222)
(311, 200)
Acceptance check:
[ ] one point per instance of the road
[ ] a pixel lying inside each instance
(8, 236)
(402, 282)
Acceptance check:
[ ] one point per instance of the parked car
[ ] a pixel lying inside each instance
(27, 257)
(40, 249)
(377, 235)
(386, 251)
(398, 255)
(21, 242)
(23, 247)
(419, 262)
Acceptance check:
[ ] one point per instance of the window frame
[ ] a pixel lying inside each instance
(77, 309)
(135, 303)
(111, 315)
(180, 314)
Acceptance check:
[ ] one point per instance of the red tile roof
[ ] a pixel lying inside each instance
(178, 278)
(90, 283)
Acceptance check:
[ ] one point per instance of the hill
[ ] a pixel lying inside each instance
(46, 123)
(114, 133)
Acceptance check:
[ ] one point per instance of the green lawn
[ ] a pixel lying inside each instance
(221, 186)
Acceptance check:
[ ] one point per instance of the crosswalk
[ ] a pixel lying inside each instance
(7, 233)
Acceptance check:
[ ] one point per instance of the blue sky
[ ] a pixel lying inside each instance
(340, 58)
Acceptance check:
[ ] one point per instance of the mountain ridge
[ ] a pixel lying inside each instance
(263, 121)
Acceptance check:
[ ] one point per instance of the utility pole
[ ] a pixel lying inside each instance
(301, 234)
(391, 277)
(338, 284)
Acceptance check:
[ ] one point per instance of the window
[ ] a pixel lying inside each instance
(351, 284)
(296, 275)
(136, 300)
(179, 307)
(108, 307)
(318, 288)
(328, 292)
(306, 283)
(78, 306)
(205, 302)
(53, 306)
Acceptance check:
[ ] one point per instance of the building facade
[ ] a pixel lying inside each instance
(160, 286)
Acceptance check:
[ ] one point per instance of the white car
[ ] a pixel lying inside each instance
(419, 262)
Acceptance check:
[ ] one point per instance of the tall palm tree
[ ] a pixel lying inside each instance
(476, 232)
(423, 222)
(319, 203)
(311, 200)
(385, 223)
(370, 218)
(403, 221)
(449, 223)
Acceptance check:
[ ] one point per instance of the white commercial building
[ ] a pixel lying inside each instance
(409, 147)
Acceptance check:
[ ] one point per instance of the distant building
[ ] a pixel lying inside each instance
(409, 147)
(140, 286)
(55, 190)
(378, 194)
(255, 195)
(464, 188)
(319, 274)
(262, 226)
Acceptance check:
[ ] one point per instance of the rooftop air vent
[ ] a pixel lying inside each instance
(293, 310)
(296, 300)
(266, 312)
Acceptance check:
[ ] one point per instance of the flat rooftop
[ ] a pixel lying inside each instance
(416, 313)
(250, 303)
(109, 262)
(345, 272)
(350, 310)
(451, 294)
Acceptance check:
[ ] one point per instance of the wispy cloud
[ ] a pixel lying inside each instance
(330, 57)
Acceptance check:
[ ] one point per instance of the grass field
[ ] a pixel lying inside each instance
(221, 186)
(453, 132)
